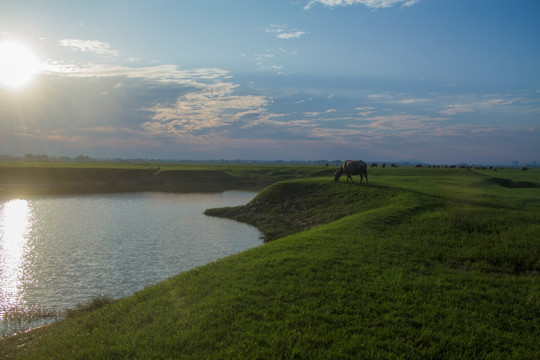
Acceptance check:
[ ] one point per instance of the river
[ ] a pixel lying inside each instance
(60, 251)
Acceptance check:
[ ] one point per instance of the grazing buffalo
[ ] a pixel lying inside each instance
(352, 167)
(393, 165)
(522, 169)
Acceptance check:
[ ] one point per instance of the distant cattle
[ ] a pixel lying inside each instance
(393, 165)
(374, 165)
(524, 168)
(418, 165)
(352, 167)
(383, 165)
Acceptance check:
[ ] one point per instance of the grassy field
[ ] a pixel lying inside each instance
(49, 178)
(420, 263)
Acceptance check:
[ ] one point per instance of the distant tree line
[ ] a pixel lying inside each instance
(84, 158)
(45, 158)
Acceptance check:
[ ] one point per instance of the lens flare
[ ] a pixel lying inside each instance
(17, 65)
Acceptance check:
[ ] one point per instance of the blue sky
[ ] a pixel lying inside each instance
(379, 80)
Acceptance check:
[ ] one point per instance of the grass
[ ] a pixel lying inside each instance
(298, 205)
(93, 304)
(420, 263)
(35, 178)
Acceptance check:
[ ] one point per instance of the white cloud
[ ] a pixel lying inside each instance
(412, 101)
(291, 35)
(272, 28)
(207, 104)
(94, 46)
(470, 105)
(283, 32)
(214, 106)
(365, 110)
(164, 74)
(317, 113)
(374, 4)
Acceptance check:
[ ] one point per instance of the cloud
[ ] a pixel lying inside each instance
(93, 46)
(400, 122)
(379, 96)
(152, 101)
(164, 74)
(266, 60)
(204, 112)
(212, 108)
(374, 4)
(412, 101)
(283, 32)
(397, 99)
(291, 35)
(471, 105)
(365, 110)
(456, 109)
(272, 28)
(317, 113)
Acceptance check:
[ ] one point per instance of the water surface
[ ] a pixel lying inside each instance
(60, 251)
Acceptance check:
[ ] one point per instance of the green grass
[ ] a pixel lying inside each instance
(298, 205)
(420, 263)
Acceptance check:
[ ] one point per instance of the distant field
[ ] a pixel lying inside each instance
(420, 263)
(47, 178)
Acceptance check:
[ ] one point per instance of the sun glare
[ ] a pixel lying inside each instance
(17, 65)
(14, 225)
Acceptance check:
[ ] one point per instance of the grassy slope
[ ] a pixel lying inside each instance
(420, 264)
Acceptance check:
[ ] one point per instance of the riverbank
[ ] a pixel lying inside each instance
(55, 179)
(418, 264)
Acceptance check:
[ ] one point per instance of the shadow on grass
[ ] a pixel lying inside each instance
(511, 184)
(95, 303)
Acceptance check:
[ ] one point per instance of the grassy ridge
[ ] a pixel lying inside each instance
(294, 206)
(419, 264)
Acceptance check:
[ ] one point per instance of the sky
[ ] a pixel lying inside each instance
(380, 80)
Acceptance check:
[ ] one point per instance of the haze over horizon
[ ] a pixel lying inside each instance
(439, 81)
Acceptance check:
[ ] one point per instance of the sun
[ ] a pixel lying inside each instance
(17, 65)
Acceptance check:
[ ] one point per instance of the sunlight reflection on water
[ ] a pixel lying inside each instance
(15, 218)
